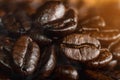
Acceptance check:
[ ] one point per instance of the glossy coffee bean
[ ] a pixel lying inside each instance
(66, 72)
(82, 53)
(67, 46)
(102, 60)
(17, 22)
(93, 23)
(26, 54)
(64, 26)
(80, 47)
(50, 11)
(105, 36)
(47, 62)
(39, 37)
(78, 39)
(114, 49)
(95, 75)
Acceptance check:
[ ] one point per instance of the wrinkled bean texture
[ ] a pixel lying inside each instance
(59, 40)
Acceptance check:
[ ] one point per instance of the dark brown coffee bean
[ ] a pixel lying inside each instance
(80, 47)
(93, 23)
(26, 54)
(105, 36)
(102, 60)
(50, 11)
(39, 37)
(48, 61)
(95, 75)
(114, 49)
(79, 39)
(18, 22)
(63, 26)
(66, 72)
(82, 53)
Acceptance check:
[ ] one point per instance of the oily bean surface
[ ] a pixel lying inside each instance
(103, 59)
(26, 54)
(50, 11)
(114, 49)
(64, 26)
(82, 53)
(78, 39)
(48, 61)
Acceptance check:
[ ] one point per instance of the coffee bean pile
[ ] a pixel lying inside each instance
(52, 44)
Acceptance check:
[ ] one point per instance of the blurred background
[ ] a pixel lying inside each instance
(31, 5)
(108, 9)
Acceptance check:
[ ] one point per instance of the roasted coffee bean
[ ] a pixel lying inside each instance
(39, 37)
(114, 49)
(47, 62)
(93, 23)
(79, 39)
(58, 41)
(63, 26)
(105, 36)
(50, 11)
(26, 54)
(80, 47)
(95, 75)
(66, 72)
(83, 53)
(102, 60)
(18, 22)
